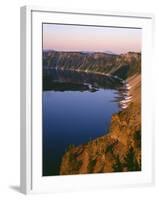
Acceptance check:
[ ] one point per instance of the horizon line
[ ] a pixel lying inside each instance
(87, 51)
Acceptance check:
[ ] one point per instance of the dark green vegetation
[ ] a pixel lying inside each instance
(129, 163)
(63, 86)
(123, 65)
(70, 80)
(117, 165)
(76, 163)
(91, 165)
(118, 150)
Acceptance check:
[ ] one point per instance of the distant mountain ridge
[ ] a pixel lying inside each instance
(110, 52)
(124, 65)
(118, 150)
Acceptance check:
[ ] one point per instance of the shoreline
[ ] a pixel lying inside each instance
(124, 135)
(84, 71)
(126, 97)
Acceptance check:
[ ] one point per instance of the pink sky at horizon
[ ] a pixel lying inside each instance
(91, 38)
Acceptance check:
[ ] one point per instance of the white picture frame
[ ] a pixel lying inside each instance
(31, 88)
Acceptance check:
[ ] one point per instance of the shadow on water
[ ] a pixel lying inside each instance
(66, 80)
(77, 107)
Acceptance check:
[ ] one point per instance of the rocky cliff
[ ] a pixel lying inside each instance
(119, 150)
(123, 65)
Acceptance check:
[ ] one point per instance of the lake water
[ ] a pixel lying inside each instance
(77, 107)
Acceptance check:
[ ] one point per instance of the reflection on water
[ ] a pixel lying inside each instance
(77, 80)
(77, 107)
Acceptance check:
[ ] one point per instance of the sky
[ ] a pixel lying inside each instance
(90, 38)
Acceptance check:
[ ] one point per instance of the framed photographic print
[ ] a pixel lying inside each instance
(86, 100)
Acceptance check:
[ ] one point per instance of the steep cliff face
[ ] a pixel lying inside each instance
(118, 150)
(123, 65)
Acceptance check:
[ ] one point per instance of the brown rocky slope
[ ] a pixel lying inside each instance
(118, 150)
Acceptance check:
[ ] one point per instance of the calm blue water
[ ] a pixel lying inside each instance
(73, 117)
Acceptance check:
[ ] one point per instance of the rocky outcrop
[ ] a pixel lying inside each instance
(119, 150)
(124, 65)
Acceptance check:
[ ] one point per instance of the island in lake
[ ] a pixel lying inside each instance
(91, 106)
